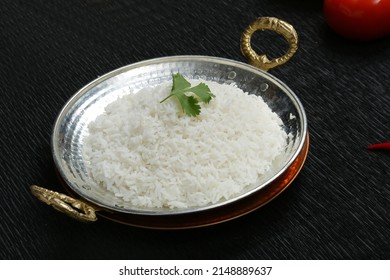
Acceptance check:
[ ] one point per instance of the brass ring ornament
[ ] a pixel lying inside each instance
(65, 204)
(268, 23)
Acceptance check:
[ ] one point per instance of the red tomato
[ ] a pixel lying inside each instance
(358, 19)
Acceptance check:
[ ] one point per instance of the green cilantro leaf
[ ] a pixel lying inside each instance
(189, 103)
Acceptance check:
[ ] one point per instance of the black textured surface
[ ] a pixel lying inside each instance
(337, 208)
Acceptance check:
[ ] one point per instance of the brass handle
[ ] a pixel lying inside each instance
(268, 23)
(65, 204)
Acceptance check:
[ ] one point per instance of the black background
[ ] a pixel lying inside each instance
(338, 206)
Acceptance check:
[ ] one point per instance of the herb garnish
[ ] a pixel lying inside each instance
(189, 103)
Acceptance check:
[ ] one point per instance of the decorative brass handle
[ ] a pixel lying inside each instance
(268, 23)
(65, 204)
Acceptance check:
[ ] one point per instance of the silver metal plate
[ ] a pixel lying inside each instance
(71, 126)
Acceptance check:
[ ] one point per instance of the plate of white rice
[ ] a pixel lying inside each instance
(122, 150)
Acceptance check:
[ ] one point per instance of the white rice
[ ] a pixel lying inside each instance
(150, 154)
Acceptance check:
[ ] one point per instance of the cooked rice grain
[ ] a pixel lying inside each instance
(152, 155)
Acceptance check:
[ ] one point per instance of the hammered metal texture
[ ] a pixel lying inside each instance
(71, 126)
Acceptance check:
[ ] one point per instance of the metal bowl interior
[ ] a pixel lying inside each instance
(71, 126)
